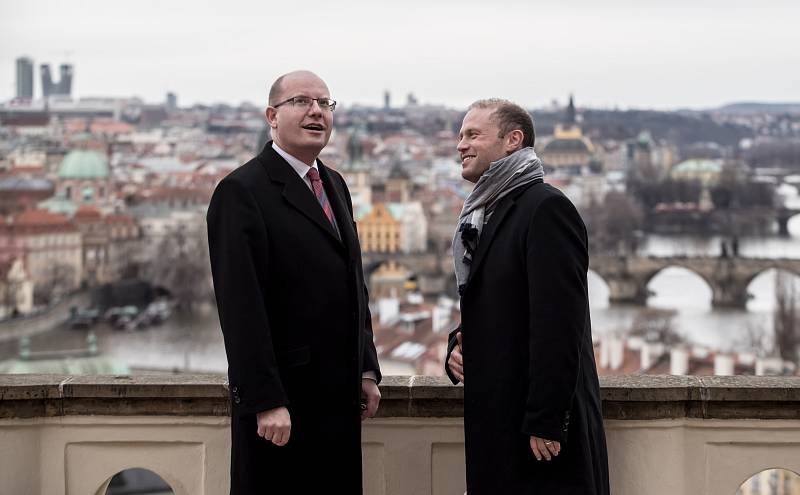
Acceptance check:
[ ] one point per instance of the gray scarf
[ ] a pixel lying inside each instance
(503, 176)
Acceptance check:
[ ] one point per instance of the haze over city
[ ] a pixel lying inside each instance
(673, 128)
(613, 54)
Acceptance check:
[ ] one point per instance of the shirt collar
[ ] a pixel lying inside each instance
(298, 166)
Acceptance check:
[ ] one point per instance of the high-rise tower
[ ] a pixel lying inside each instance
(24, 78)
(63, 87)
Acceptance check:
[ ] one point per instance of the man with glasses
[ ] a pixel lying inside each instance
(292, 303)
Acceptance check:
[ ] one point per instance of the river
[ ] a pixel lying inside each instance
(195, 343)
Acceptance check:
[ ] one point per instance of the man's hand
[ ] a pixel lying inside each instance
(372, 395)
(544, 448)
(275, 425)
(456, 361)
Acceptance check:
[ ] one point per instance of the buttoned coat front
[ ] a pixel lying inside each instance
(528, 358)
(293, 309)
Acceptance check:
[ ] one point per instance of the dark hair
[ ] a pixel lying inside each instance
(509, 117)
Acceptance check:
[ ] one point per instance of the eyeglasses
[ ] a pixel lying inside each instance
(305, 102)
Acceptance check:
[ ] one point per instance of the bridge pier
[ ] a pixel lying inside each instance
(783, 225)
(730, 295)
(626, 291)
(729, 281)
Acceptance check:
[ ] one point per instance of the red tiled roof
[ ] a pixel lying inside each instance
(122, 219)
(88, 212)
(37, 221)
(39, 218)
(631, 362)
(390, 337)
(161, 193)
(109, 126)
(36, 170)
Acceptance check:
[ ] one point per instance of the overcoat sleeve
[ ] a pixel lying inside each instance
(452, 341)
(557, 262)
(369, 360)
(239, 251)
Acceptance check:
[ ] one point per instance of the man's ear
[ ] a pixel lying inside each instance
(272, 117)
(514, 140)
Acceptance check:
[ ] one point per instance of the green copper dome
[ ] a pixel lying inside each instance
(81, 164)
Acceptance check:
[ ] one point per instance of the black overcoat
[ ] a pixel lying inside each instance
(293, 310)
(528, 360)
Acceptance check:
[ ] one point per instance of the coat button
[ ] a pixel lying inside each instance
(237, 400)
(234, 390)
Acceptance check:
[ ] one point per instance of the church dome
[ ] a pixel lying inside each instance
(83, 164)
(567, 145)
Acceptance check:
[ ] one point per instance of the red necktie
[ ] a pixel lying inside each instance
(319, 192)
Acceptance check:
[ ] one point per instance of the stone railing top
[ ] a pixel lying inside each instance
(624, 397)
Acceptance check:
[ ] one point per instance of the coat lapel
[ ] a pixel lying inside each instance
(338, 201)
(490, 229)
(296, 192)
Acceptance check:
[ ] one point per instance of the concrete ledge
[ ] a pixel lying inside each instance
(636, 397)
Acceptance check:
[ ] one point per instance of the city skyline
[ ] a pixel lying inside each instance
(618, 54)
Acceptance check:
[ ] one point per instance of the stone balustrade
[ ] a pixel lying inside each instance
(666, 434)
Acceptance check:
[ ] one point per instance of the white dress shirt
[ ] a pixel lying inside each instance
(298, 166)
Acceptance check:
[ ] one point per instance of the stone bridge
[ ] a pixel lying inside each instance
(785, 214)
(628, 276)
(419, 263)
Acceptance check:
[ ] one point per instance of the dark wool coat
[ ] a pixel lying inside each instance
(293, 309)
(528, 359)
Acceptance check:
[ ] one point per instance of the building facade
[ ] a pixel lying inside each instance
(50, 247)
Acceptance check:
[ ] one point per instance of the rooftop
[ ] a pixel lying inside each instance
(25, 184)
(83, 164)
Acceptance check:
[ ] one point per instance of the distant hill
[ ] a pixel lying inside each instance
(749, 107)
(682, 129)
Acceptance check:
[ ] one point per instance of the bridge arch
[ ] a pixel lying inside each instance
(790, 270)
(761, 287)
(662, 297)
(599, 290)
(793, 224)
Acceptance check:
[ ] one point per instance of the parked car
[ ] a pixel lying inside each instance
(83, 318)
(119, 317)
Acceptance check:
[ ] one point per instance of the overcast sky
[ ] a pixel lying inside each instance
(625, 53)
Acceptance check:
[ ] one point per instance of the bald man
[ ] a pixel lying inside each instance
(286, 263)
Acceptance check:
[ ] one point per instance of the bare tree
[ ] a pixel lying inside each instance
(786, 324)
(656, 325)
(10, 290)
(182, 267)
(59, 279)
(613, 224)
(757, 339)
